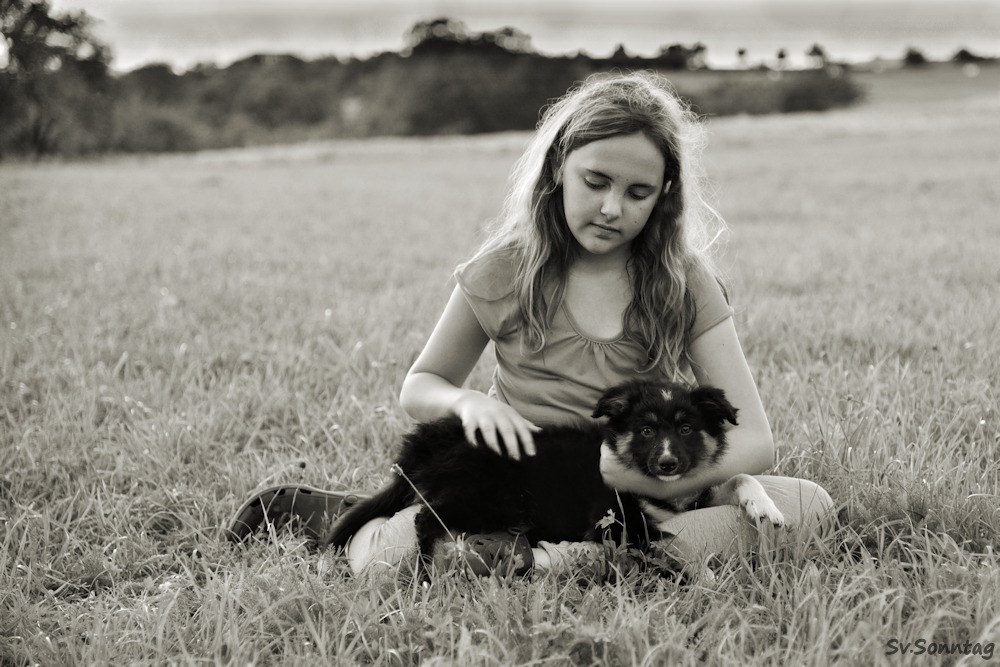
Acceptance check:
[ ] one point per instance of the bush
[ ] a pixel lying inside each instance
(146, 128)
(280, 103)
(965, 56)
(757, 93)
(818, 91)
(449, 96)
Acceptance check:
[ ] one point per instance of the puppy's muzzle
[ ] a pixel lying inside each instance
(668, 465)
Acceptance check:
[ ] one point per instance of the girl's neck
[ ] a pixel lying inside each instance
(598, 291)
(612, 264)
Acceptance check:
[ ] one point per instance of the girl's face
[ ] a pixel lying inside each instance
(610, 187)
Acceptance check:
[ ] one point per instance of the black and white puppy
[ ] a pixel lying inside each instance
(663, 430)
(696, 439)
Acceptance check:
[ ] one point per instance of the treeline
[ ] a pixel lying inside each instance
(64, 100)
(436, 87)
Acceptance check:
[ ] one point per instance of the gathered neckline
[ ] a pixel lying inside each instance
(588, 337)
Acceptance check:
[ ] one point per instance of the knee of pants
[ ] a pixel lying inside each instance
(804, 503)
(384, 542)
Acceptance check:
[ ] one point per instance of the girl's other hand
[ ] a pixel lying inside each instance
(501, 427)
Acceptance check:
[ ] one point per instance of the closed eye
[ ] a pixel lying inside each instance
(639, 195)
(596, 180)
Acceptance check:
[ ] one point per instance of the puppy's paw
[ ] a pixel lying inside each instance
(747, 492)
(760, 507)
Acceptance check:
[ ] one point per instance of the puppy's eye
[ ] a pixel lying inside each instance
(647, 432)
(685, 429)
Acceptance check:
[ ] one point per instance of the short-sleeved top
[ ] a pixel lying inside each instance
(562, 382)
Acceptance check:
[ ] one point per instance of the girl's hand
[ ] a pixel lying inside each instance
(500, 426)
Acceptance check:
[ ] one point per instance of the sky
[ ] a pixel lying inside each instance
(183, 33)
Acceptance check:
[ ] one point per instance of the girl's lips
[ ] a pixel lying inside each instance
(610, 230)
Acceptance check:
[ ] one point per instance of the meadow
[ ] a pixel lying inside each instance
(180, 330)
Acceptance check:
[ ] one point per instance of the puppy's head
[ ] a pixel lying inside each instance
(665, 430)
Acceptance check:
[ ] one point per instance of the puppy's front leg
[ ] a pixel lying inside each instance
(746, 492)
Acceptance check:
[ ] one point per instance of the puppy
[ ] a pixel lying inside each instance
(671, 458)
(662, 430)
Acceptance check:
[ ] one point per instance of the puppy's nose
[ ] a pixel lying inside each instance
(668, 465)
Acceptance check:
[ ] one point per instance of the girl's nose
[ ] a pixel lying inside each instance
(611, 208)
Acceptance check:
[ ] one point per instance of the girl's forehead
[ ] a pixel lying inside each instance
(632, 157)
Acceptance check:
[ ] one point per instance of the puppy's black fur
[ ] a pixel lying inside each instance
(558, 494)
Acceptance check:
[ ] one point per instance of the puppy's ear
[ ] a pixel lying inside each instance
(615, 401)
(713, 405)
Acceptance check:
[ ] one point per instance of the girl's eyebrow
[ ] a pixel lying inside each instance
(599, 174)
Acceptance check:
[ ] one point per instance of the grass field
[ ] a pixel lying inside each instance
(179, 330)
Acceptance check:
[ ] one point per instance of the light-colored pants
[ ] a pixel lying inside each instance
(698, 534)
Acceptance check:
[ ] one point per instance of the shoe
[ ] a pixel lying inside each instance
(501, 553)
(307, 508)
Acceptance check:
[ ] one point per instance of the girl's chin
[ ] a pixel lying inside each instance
(599, 248)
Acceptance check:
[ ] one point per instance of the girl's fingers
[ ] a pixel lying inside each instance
(509, 437)
(488, 431)
(527, 441)
(470, 435)
(504, 434)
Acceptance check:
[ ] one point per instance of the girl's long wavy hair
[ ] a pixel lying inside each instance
(675, 241)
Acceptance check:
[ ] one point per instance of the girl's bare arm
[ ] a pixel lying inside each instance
(433, 386)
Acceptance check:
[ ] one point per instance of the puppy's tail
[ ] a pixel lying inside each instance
(391, 498)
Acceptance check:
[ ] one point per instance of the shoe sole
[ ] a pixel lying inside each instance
(501, 553)
(311, 509)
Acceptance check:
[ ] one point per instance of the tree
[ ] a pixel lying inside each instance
(966, 56)
(696, 56)
(782, 57)
(436, 35)
(56, 71)
(914, 58)
(511, 39)
(680, 56)
(818, 55)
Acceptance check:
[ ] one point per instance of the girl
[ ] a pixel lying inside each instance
(598, 270)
